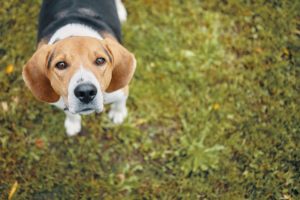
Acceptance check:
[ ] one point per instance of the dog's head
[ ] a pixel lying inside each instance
(80, 70)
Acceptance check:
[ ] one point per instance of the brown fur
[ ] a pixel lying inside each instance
(47, 84)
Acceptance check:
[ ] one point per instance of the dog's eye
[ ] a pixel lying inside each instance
(61, 65)
(100, 61)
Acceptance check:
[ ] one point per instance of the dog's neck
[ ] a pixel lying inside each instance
(70, 30)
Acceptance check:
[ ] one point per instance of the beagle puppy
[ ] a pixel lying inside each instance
(79, 64)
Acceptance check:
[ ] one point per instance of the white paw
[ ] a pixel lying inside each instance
(72, 127)
(117, 116)
(122, 13)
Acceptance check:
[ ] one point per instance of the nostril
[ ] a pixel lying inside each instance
(92, 93)
(81, 94)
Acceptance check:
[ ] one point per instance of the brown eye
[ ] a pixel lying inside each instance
(100, 61)
(61, 65)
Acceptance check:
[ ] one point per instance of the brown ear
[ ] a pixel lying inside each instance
(124, 65)
(35, 76)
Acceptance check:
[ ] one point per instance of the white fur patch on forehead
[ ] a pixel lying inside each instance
(74, 30)
(83, 76)
(80, 77)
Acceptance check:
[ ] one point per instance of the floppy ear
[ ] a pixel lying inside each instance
(35, 76)
(124, 65)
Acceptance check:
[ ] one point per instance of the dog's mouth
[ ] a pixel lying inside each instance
(86, 111)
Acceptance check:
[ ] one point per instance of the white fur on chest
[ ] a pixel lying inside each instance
(113, 96)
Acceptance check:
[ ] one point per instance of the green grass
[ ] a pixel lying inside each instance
(213, 108)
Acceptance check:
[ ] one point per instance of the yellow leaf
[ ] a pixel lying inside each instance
(9, 69)
(216, 106)
(4, 106)
(13, 190)
(286, 51)
(140, 121)
(258, 50)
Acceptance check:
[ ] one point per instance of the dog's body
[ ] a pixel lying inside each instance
(79, 64)
(100, 15)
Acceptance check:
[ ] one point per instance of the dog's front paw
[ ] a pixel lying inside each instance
(117, 116)
(72, 127)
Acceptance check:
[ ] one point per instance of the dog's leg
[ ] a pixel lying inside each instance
(122, 13)
(72, 123)
(118, 110)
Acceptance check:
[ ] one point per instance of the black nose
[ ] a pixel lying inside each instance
(85, 92)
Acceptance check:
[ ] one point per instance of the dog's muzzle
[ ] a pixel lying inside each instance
(84, 93)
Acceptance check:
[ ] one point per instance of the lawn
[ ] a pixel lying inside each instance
(214, 108)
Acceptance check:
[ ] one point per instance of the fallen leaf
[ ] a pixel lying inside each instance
(13, 190)
(39, 143)
(216, 106)
(9, 69)
(287, 197)
(258, 50)
(121, 177)
(140, 121)
(4, 106)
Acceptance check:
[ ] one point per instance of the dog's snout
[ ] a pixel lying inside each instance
(85, 92)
